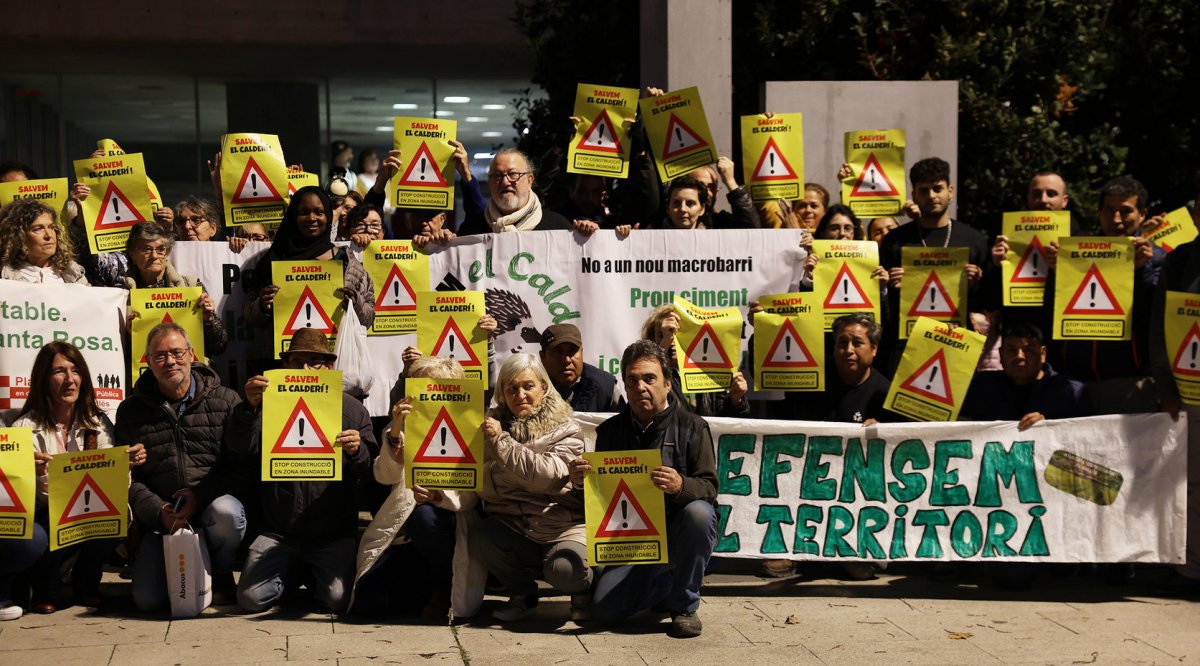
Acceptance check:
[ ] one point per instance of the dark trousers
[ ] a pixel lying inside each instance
(17, 556)
(404, 577)
(516, 561)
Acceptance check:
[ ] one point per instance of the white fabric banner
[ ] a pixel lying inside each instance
(1099, 489)
(90, 318)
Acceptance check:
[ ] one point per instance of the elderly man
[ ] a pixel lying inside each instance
(514, 205)
(688, 478)
(585, 387)
(178, 412)
(308, 522)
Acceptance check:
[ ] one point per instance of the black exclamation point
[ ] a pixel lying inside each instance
(1034, 259)
(705, 356)
(116, 209)
(451, 341)
(1093, 289)
(308, 315)
(87, 499)
(846, 290)
(301, 431)
(396, 291)
(600, 134)
(253, 185)
(771, 157)
(932, 374)
(422, 168)
(679, 135)
(873, 186)
(1194, 354)
(932, 298)
(624, 514)
(787, 344)
(443, 440)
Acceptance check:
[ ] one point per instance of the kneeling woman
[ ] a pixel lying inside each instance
(535, 516)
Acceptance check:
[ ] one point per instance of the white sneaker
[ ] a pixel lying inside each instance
(10, 613)
(515, 608)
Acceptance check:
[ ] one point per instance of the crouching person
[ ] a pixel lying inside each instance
(303, 522)
(688, 478)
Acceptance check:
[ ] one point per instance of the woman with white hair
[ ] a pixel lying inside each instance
(535, 515)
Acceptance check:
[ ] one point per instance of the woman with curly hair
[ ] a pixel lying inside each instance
(35, 246)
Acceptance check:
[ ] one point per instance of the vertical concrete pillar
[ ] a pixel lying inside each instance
(289, 109)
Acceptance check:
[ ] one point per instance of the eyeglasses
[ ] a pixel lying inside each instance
(160, 250)
(192, 220)
(368, 227)
(255, 237)
(511, 176)
(176, 354)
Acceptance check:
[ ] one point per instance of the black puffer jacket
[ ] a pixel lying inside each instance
(181, 452)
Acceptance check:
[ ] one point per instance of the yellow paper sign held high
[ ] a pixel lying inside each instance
(773, 156)
(443, 442)
(120, 198)
(398, 272)
(1093, 290)
(876, 185)
(307, 298)
(427, 178)
(678, 132)
(935, 371)
(600, 146)
(625, 514)
(89, 496)
(843, 277)
(448, 325)
(933, 286)
(1024, 269)
(789, 343)
(155, 306)
(1176, 229)
(52, 192)
(301, 179)
(1182, 328)
(18, 483)
(301, 418)
(707, 346)
(253, 179)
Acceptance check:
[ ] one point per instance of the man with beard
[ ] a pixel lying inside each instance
(514, 205)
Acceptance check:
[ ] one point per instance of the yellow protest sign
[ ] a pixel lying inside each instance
(1181, 324)
(301, 179)
(876, 184)
(169, 304)
(600, 146)
(707, 346)
(935, 371)
(110, 147)
(448, 326)
(398, 271)
(678, 132)
(119, 199)
(933, 285)
(1175, 229)
(625, 514)
(427, 178)
(1024, 269)
(443, 441)
(52, 192)
(773, 156)
(156, 201)
(301, 418)
(843, 275)
(1093, 290)
(253, 179)
(18, 483)
(89, 496)
(789, 344)
(307, 298)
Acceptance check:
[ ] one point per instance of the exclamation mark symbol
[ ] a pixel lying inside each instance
(679, 136)
(873, 185)
(624, 514)
(1034, 260)
(253, 185)
(1093, 290)
(422, 168)
(396, 291)
(301, 431)
(932, 299)
(451, 341)
(443, 430)
(771, 157)
(704, 356)
(932, 375)
(116, 210)
(1194, 345)
(600, 134)
(787, 345)
(845, 290)
(308, 315)
(87, 494)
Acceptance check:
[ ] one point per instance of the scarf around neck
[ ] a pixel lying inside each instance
(525, 218)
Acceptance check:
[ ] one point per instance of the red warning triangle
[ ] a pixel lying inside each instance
(1187, 359)
(772, 165)
(625, 516)
(423, 170)
(116, 212)
(873, 182)
(396, 294)
(933, 300)
(788, 350)
(291, 189)
(1032, 266)
(166, 320)
(451, 343)
(846, 293)
(711, 355)
(600, 137)
(309, 314)
(1093, 297)
(680, 139)
(443, 443)
(254, 187)
(9, 501)
(87, 502)
(301, 433)
(931, 380)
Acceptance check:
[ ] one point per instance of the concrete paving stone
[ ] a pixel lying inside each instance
(640, 635)
(735, 611)
(1130, 620)
(1182, 645)
(77, 634)
(231, 627)
(710, 656)
(1011, 623)
(811, 608)
(825, 629)
(1075, 650)
(60, 656)
(439, 658)
(488, 640)
(900, 652)
(215, 650)
(397, 641)
(526, 658)
(982, 607)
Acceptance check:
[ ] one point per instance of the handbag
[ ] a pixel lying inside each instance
(353, 357)
(189, 572)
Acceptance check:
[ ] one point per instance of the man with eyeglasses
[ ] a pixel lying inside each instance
(313, 523)
(178, 411)
(514, 205)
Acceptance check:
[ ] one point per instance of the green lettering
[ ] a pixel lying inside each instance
(864, 471)
(870, 520)
(512, 265)
(808, 516)
(730, 479)
(772, 466)
(966, 535)
(1035, 538)
(1001, 526)
(840, 523)
(999, 466)
(813, 484)
(930, 519)
(726, 543)
(945, 490)
(908, 485)
(774, 515)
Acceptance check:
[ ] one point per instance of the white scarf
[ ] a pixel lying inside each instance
(524, 218)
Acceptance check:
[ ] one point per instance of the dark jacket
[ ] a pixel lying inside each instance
(686, 445)
(594, 392)
(1180, 272)
(475, 221)
(306, 513)
(993, 397)
(188, 451)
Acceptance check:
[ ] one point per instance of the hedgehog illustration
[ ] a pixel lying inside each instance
(512, 317)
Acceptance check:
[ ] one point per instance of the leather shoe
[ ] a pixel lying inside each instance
(45, 608)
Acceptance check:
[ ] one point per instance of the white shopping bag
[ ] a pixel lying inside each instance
(189, 572)
(353, 357)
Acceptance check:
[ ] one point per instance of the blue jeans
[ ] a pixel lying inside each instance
(223, 524)
(625, 590)
(18, 556)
